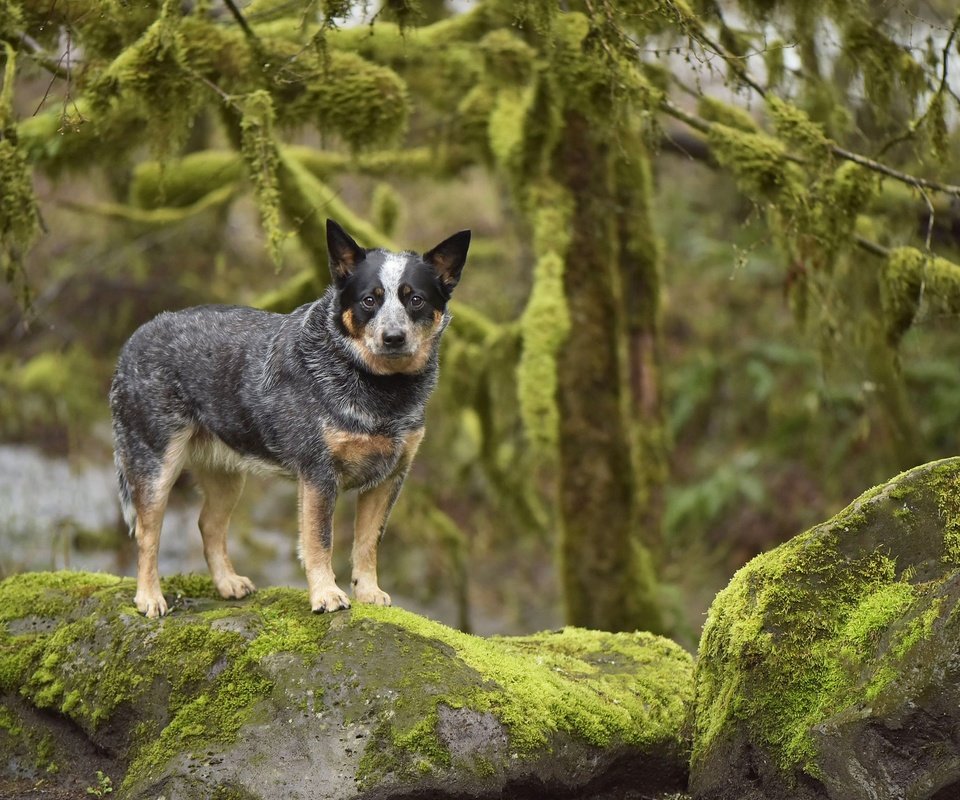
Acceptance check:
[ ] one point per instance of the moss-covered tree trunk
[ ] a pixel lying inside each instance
(640, 267)
(607, 570)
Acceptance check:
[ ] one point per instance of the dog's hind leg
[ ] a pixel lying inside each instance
(316, 547)
(150, 495)
(221, 491)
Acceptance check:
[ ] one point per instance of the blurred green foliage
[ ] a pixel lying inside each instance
(801, 310)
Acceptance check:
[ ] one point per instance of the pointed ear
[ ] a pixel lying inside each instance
(448, 258)
(345, 253)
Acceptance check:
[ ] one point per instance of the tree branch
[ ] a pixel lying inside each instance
(235, 11)
(943, 87)
(696, 31)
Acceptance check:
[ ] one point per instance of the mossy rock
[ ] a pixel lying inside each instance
(261, 698)
(830, 666)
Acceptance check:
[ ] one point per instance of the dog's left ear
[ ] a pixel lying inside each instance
(448, 258)
(345, 253)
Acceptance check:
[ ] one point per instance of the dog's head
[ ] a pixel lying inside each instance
(393, 306)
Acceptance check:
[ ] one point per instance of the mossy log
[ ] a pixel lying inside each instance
(828, 668)
(261, 698)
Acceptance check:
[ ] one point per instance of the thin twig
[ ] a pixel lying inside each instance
(871, 246)
(247, 30)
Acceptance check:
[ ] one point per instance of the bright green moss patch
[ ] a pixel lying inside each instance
(189, 683)
(562, 681)
(49, 594)
(9, 721)
(829, 621)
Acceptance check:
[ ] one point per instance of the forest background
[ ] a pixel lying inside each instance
(713, 292)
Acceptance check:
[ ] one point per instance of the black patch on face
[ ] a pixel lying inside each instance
(421, 281)
(362, 291)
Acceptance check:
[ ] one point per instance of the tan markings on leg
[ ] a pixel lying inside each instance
(373, 509)
(151, 502)
(221, 491)
(411, 443)
(316, 549)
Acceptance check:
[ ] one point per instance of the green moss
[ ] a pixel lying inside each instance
(947, 485)
(186, 181)
(759, 163)
(508, 59)
(385, 208)
(192, 585)
(49, 594)
(506, 126)
(44, 752)
(19, 218)
(261, 158)
(909, 276)
(825, 621)
(546, 320)
(564, 681)
(154, 77)
(919, 629)
(730, 115)
(794, 126)
(9, 722)
(194, 682)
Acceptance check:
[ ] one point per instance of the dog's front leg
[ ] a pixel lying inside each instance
(373, 509)
(316, 546)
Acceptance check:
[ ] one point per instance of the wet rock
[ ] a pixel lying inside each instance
(260, 698)
(830, 666)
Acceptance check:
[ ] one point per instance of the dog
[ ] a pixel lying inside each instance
(332, 394)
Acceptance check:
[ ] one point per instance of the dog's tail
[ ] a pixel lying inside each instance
(126, 498)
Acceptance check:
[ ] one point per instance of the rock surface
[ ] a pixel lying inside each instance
(262, 699)
(830, 666)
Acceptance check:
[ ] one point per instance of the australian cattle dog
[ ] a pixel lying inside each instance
(332, 394)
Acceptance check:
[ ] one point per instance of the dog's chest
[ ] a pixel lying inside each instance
(361, 458)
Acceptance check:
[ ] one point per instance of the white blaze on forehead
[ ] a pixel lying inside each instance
(392, 313)
(391, 273)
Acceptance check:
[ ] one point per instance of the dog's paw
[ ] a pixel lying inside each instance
(234, 586)
(328, 598)
(367, 593)
(150, 604)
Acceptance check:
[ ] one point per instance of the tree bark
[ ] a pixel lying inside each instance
(608, 574)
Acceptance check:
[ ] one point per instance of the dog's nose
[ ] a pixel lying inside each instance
(394, 338)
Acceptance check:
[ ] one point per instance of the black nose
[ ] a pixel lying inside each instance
(394, 338)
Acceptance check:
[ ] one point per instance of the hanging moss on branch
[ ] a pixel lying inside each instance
(910, 277)
(715, 110)
(259, 150)
(759, 163)
(153, 77)
(796, 128)
(19, 218)
(545, 323)
(185, 181)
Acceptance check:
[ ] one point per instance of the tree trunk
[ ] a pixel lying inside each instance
(608, 574)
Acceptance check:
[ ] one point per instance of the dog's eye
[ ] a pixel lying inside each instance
(369, 301)
(416, 302)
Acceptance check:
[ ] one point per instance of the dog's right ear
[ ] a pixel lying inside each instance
(345, 253)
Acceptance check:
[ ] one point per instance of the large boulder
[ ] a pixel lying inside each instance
(262, 699)
(830, 666)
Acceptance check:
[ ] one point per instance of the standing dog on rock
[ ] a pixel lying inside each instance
(332, 394)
